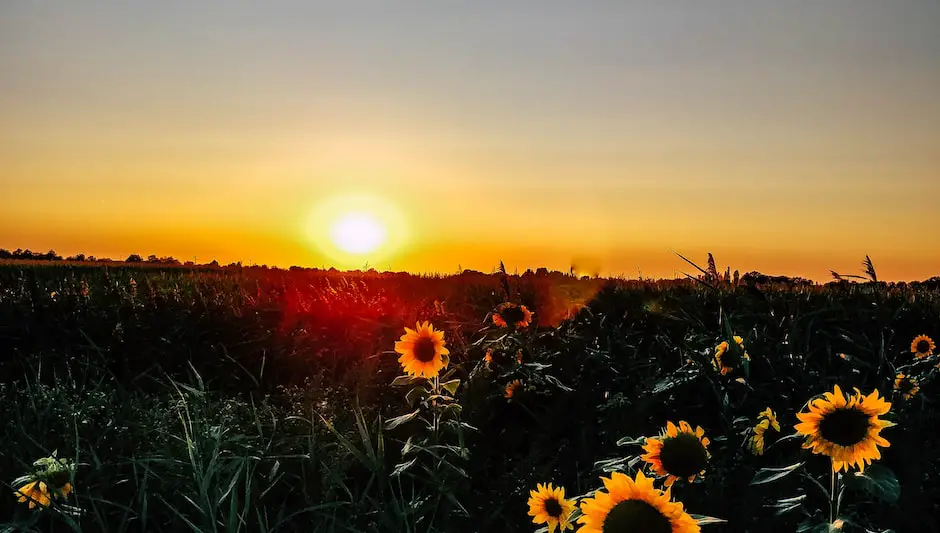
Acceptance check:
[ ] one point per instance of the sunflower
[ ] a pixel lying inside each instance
(766, 432)
(922, 346)
(727, 358)
(905, 386)
(847, 429)
(634, 505)
(488, 358)
(511, 387)
(422, 351)
(547, 505)
(679, 452)
(509, 313)
(36, 493)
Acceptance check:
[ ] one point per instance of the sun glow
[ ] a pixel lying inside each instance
(357, 233)
(356, 229)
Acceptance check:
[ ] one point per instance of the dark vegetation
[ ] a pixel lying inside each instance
(206, 400)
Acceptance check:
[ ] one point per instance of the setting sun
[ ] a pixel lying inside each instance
(353, 229)
(357, 233)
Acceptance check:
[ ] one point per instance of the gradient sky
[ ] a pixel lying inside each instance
(788, 137)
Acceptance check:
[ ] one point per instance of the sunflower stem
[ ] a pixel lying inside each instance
(833, 495)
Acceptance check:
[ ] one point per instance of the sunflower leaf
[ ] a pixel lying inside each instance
(393, 423)
(630, 441)
(402, 381)
(557, 382)
(451, 386)
(767, 475)
(877, 480)
(705, 520)
(415, 395)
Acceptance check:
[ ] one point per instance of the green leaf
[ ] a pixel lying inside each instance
(766, 475)
(405, 380)
(557, 382)
(703, 520)
(399, 420)
(414, 395)
(785, 505)
(630, 441)
(400, 468)
(451, 386)
(877, 480)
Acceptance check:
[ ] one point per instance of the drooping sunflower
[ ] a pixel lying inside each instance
(634, 505)
(547, 505)
(679, 452)
(727, 358)
(905, 386)
(846, 429)
(422, 351)
(36, 493)
(922, 346)
(509, 313)
(766, 432)
(511, 387)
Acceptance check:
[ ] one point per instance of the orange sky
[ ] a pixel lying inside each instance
(791, 141)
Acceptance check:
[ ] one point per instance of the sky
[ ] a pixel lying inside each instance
(787, 137)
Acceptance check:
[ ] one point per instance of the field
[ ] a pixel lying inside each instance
(259, 400)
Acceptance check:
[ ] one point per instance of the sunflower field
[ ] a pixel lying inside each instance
(258, 400)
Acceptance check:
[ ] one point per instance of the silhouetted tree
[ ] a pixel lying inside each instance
(134, 258)
(76, 257)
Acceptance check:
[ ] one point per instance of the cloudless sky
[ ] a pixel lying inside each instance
(788, 137)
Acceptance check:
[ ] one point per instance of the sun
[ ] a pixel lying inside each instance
(357, 233)
(352, 230)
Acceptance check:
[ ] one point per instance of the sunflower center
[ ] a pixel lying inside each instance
(512, 315)
(683, 456)
(905, 386)
(845, 427)
(634, 516)
(553, 508)
(425, 350)
(923, 347)
(732, 356)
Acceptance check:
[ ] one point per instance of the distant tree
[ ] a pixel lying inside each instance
(214, 263)
(93, 259)
(169, 260)
(134, 258)
(189, 264)
(76, 257)
(5, 254)
(153, 259)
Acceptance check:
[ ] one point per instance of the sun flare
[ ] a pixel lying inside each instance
(353, 230)
(357, 233)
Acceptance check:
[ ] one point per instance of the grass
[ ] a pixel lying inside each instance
(260, 400)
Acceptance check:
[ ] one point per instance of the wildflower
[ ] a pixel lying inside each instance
(727, 358)
(679, 452)
(511, 387)
(508, 313)
(766, 432)
(905, 386)
(422, 351)
(634, 505)
(547, 505)
(36, 493)
(846, 429)
(922, 346)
